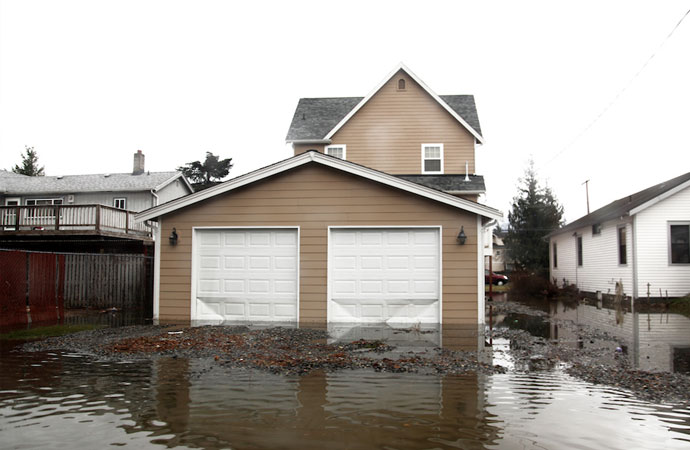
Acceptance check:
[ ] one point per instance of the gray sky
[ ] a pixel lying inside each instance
(87, 83)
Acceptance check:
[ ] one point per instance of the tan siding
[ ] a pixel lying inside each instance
(388, 131)
(314, 214)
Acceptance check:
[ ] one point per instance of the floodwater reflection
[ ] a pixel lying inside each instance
(60, 399)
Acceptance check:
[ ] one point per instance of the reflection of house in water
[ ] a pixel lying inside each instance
(656, 341)
(217, 407)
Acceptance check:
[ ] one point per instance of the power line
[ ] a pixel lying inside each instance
(620, 93)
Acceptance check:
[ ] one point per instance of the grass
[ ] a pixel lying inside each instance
(496, 289)
(44, 332)
(680, 306)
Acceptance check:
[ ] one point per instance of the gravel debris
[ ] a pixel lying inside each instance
(595, 357)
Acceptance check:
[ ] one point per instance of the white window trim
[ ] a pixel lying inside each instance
(119, 198)
(618, 244)
(424, 159)
(343, 146)
(8, 200)
(52, 201)
(668, 240)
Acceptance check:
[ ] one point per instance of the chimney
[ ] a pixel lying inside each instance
(138, 167)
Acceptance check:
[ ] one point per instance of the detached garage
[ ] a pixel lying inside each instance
(318, 239)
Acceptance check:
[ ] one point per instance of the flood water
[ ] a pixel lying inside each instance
(67, 400)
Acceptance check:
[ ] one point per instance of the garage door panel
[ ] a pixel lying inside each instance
(246, 274)
(379, 275)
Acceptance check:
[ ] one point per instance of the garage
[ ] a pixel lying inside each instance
(389, 275)
(245, 274)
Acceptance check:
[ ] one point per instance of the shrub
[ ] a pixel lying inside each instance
(524, 284)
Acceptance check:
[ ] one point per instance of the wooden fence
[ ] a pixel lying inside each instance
(107, 281)
(37, 286)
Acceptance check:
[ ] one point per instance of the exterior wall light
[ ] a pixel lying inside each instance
(462, 237)
(173, 237)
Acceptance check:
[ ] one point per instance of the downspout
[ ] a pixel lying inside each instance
(155, 198)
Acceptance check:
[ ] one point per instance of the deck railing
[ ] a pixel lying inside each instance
(98, 218)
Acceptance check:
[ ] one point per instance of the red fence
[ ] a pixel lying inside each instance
(31, 287)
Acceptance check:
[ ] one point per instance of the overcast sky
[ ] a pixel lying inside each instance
(87, 83)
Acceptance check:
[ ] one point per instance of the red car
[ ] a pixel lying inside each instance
(498, 279)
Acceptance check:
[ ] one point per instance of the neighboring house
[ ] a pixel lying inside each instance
(500, 259)
(642, 240)
(63, 207)
(340, 236)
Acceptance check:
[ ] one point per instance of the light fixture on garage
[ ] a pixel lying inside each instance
(462, 237)
(173, 237)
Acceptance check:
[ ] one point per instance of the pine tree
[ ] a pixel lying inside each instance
(535, 213)
(206, 174)
(29, 164)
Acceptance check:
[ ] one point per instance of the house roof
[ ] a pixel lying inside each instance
(318, 119)
(629, 205)
(70, 184)
(449, 183)
(313, 157)
(6, 174)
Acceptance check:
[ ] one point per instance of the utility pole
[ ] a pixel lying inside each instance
(586, 183)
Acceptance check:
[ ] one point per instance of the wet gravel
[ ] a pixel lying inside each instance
(595, 357)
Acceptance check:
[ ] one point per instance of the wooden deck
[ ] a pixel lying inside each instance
(71, 220)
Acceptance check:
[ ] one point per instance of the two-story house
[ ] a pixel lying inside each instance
(372, 220)
(39, 213)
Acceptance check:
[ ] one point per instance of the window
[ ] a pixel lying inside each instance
(401, 84)
(432, 158)
(43, 201)
(596, 229)
(336, 150)
(120, 203)
(622, 246)
(555, 255)
(679, 242)
(579, 251)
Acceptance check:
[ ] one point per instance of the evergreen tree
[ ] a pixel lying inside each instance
(535, 213)
(206, 174)
(29, 164)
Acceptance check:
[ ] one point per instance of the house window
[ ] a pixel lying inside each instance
(679, 243)
(120, 203)
(579, 251)
(336, 150)
(432, 158)
(596, 229)
(401, 84)
(555, 255)
(43, 201)
(622, 246)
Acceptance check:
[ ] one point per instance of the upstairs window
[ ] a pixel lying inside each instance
(432, 158)
(336, 150)
(622, 246)
(679, 243)
(120, 203)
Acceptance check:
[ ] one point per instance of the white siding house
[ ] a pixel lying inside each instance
(640, 240)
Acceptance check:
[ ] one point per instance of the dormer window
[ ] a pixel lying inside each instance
(401, 84)
(336, 150)
(432, 158)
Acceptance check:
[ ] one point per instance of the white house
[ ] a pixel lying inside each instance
(642, 240)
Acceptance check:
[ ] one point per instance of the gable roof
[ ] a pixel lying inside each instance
(328, 161)
(318, 119)
(630, 205)
(70, 184)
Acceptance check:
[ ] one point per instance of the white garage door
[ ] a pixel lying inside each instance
(246, 274)
(384, 275)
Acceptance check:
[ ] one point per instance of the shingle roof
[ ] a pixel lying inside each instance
(6, 174)
(83, 183)
(623, 206)
(448, 183)
(315, 117)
